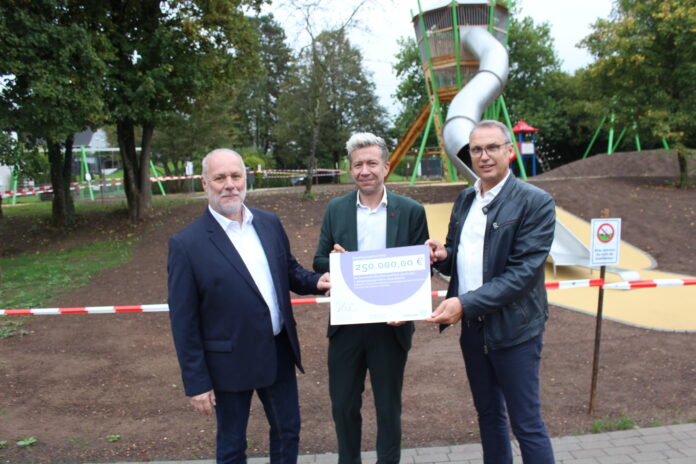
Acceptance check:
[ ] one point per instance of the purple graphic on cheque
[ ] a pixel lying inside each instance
(386, 277)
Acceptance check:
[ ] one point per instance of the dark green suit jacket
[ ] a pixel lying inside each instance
(406, 226)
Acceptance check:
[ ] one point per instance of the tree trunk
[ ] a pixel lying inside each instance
(125, 132)
(136, 169)
(67, 177)
(683, 169)
(63, 209)
(145, 156)
(311, 164)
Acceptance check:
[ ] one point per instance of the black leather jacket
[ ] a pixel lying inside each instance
(512, 302)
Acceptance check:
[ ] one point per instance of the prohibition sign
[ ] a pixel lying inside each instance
(605, 233)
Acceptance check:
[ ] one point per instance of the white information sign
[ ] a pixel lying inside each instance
(606, 241)
(386, 285)
(527, 148)
(189, 168)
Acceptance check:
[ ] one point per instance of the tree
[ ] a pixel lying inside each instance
(539, 92)
(166, 55)
(646, 69)
(52, 66)
(257, 104)
(209, 123)
(328, 97)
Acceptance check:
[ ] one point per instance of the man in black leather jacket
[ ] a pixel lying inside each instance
(499, 236)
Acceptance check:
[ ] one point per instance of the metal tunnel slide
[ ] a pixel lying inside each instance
(466, 110)
(469, 104)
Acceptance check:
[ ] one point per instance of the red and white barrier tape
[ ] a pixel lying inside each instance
(566, 284)
(86, 310)
(113, 181)
(631, 284)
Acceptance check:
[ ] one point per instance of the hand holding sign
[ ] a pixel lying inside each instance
(380, 285)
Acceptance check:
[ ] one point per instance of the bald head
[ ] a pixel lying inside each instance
(224, 180)
(227, 151)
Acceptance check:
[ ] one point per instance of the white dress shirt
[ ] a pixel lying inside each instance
(248, 245)
(470, 250)
(372, 224)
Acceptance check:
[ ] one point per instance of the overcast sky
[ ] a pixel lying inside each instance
(382, 22)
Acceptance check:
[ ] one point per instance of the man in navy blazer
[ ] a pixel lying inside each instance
(230, 274)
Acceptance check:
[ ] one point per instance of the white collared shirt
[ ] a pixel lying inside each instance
(247, 243)
(470, 250)
(372, 224)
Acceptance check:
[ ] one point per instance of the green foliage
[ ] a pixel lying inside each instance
(257, 104)
(54, 66)
(29, 441)
(135, 64)
(112, 438)
(645, 68)
(30, 280)
(541, 94)
(11, 326)
(3, 444)
(253, 162)
(209, 123)
(327, 97)
(27, 162)
(169, 57)
(607, 425)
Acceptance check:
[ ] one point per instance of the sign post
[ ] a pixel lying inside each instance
(606, 241)
(189, 172)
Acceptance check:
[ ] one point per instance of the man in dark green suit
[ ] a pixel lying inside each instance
(370, 218)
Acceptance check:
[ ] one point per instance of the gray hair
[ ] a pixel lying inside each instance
(204, 171)
(489, 123)
(366, 139)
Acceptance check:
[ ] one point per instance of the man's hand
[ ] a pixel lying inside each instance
(437, 251)
(205, 402)
(449, 312)
(338, 249)
(324, 283)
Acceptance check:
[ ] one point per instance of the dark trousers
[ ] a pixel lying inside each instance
(281, 405)
(354, 350)
(503, 379)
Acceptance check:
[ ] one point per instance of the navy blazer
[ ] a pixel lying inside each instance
(220, 322)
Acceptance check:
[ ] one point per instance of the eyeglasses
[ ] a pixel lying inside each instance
(492, 149)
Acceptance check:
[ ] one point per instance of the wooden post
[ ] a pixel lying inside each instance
(598, 337)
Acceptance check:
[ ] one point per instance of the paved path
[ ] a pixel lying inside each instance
(674, 444)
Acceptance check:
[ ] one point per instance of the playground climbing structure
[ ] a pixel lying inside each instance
(465, 64)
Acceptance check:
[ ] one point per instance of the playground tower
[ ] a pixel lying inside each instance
(465, 63)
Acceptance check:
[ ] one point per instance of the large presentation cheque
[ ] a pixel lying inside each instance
(380, 285)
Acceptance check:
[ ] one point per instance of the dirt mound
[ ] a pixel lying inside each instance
(651, 163)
